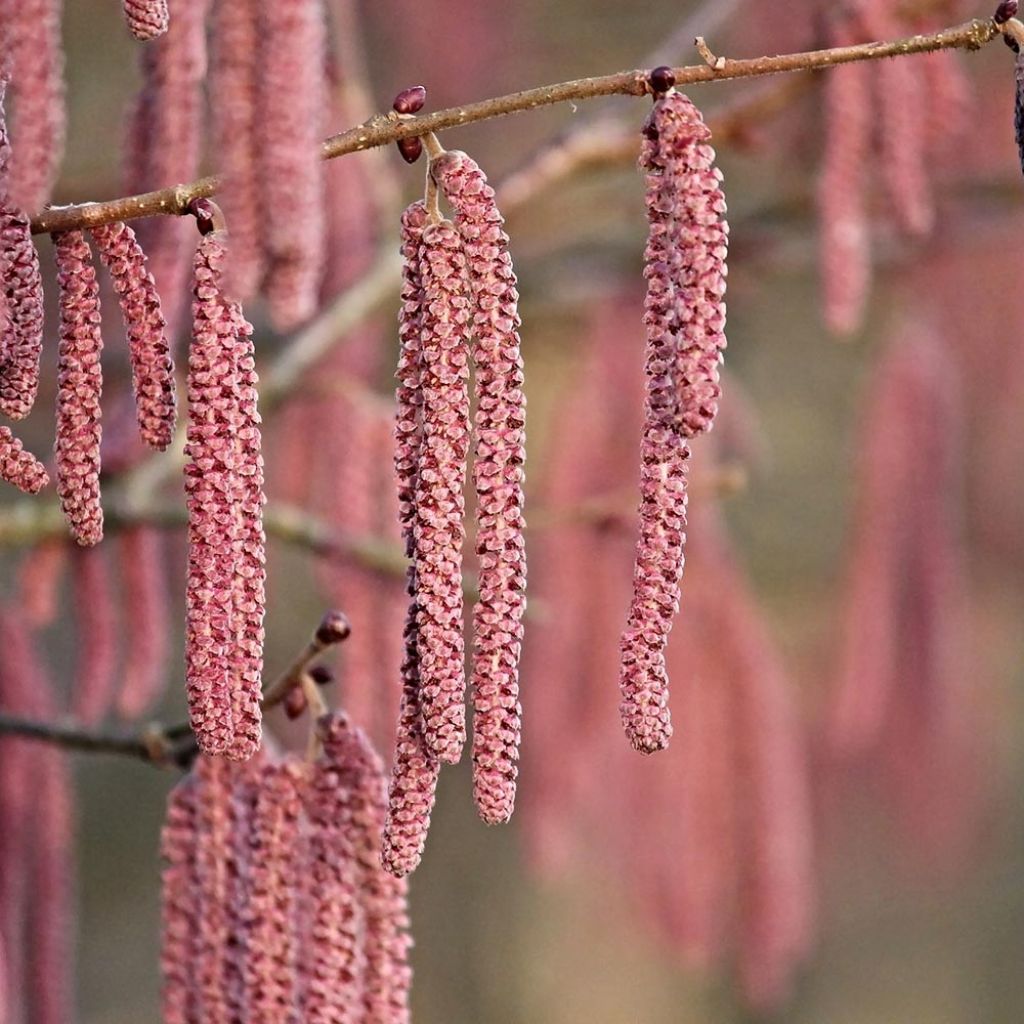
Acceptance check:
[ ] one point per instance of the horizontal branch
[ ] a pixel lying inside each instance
(386, 128)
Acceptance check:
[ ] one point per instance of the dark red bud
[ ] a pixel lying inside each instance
(661, 79)
(411, 100)
(410, 149)
(1005, 11)
(334, 628)
(295, 702)
(321, 675)
(205, 213)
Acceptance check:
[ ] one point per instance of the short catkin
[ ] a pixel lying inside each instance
(79, 387)
(498, 478)
(20, 467)
(152, 369)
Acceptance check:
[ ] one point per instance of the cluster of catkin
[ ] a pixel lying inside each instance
(275, 904)
(459, 308)
(895, 122)
(268, 103)
(684, 317)
(712, 840)
(226, 582)
(79, 374)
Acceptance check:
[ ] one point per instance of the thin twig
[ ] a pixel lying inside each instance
(381, 129)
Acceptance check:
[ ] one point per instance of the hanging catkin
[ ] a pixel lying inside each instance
(79, 386)
(146, 19)
(498, 478)
(224, 485)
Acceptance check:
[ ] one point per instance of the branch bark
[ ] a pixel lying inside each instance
(386, 128)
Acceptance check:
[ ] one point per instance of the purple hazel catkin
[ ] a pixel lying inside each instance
(96, 633)
(440, 506)
(152, 369)
(146, 19)
(498, 478)
(19, 467)
(79, 385)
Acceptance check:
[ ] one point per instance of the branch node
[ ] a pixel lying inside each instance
(713, 62)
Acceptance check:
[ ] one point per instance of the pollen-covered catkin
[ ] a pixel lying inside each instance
(152, 370)
(438, 529)
(223, 483)
(79, 386)
(146, 19)
(179, 904)
(19, 467)
(498, 477)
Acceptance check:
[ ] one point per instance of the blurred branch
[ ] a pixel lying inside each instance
(382, 129)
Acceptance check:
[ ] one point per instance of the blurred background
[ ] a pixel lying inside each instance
(879, 772)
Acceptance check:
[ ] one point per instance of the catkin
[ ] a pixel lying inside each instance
(146, 19)
(19, 467)
(79, 386)
(152, 369)
(223, 482)
(498, 479)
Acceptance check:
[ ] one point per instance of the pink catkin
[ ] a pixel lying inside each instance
(79, 385)
(415, 769)
(903, 136)
(146, 618)
(152, 369)
(38, 85)
(333, 965)
(39, 579)
(50, 924)
(19, 467)
(21, 325)
(216, 948)
(663, 454)
(268, 920)
(146, 19)
(164, 142)
(438, 530)
(234, 126)
(844, 237)
(179, 909)
(291, 105)
(498, 477)
(97, 632)
(223, 479)
(692, 206)
(387, 976)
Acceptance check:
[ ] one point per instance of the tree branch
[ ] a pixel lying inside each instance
(386, 128)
